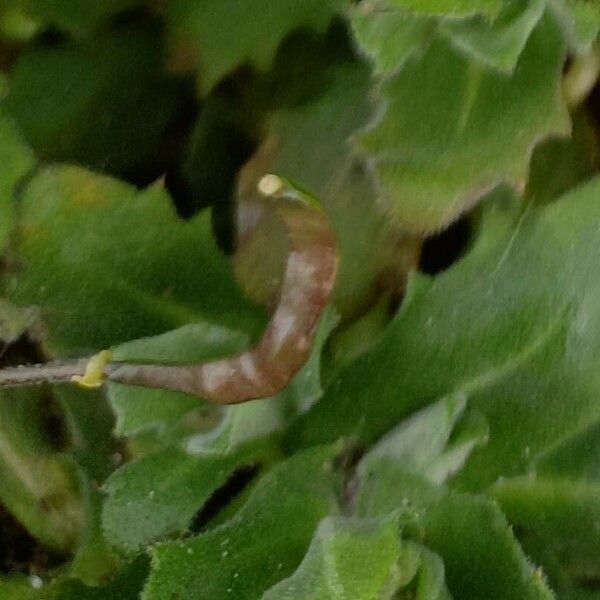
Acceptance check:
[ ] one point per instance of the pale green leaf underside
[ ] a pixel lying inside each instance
(498, 44)
(421, 442)
(14, 320)
(431, 584)
(483, 560)
(481, 555)
(348, 559)
(389, 36)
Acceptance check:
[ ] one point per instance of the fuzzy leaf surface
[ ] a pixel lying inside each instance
(108, 263)
(451, 130)
(262, 544)
(520, 339)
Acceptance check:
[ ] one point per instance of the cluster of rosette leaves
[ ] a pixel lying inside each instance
(443, 440)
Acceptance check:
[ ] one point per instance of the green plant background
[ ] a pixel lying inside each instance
(443, 440)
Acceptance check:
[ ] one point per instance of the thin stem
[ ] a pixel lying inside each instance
(53, 372)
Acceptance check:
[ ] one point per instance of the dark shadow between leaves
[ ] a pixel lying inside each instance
(239, 481)
(442, 250)
(22, 553)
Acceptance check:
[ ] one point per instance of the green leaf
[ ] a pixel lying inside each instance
(105, 75)
(139, 408)
(17, 160)
(388, 36)
(452, 130)
(15, 24)
(421, 442)
(19, 588)
(89, 424)
(297, 148)
(220, 42)
(349, 558)
(498, 44)
(76, 16)
(159, 494)
(520, 338)
(15, 320)
(94, 561)
(579, 21)
(577, 457)
(431, 582)
(358, 337)
(481, 556)
(37, 485)
(450, 8)
(250, 421)
(125, 586)
(263, 543)
(558, 165)
(562, 512)
(554, 509)
(107, 263)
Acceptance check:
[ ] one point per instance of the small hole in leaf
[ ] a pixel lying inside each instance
(235, 485)
(442, 250)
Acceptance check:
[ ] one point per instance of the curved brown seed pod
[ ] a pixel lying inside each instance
(286, 344)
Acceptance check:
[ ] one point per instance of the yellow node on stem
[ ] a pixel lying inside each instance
(94, 371)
